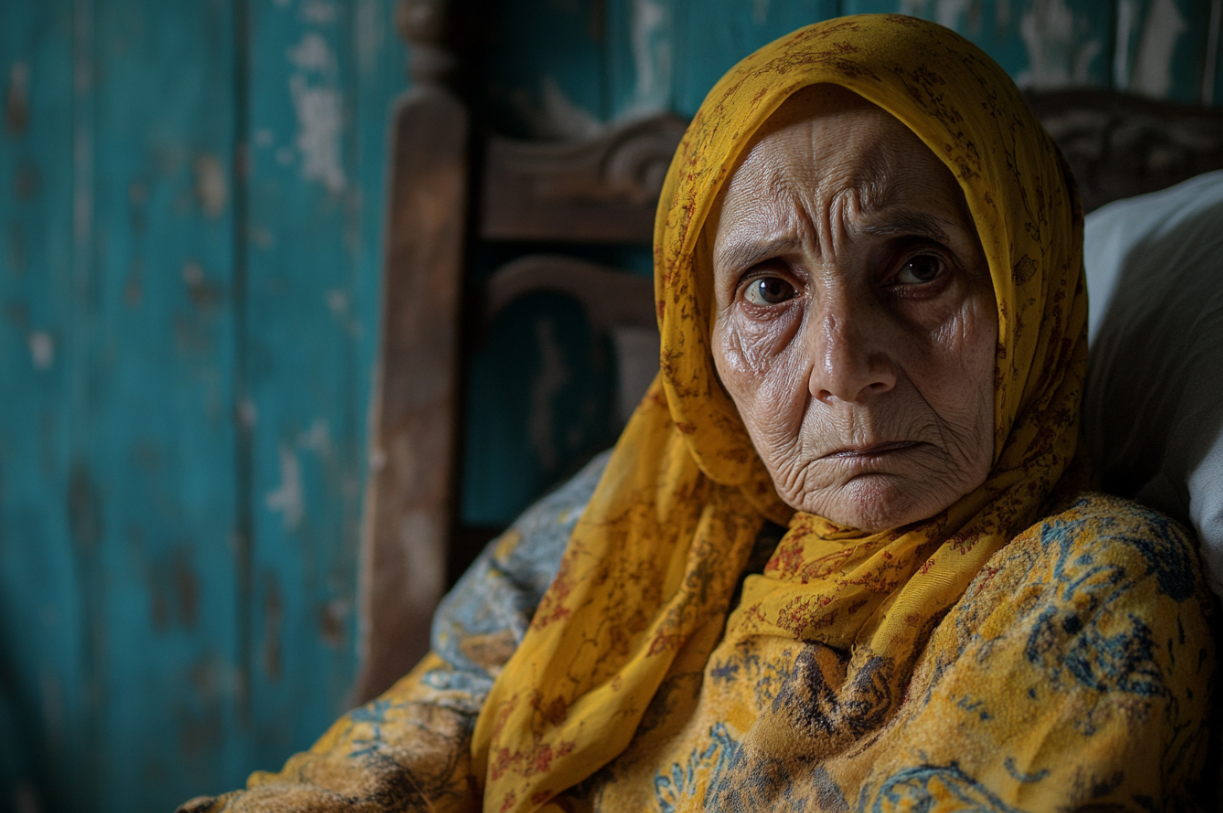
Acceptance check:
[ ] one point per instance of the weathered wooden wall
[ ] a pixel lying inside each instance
(190, 219)
(190, 227)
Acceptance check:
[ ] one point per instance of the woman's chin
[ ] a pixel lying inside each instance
(877, 502)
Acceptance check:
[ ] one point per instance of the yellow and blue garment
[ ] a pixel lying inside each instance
(1033, 647)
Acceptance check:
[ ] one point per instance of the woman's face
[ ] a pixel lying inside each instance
(855, 325)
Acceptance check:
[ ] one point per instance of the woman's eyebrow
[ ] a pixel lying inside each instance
(747, 254)
(909, 223)
(898, 224)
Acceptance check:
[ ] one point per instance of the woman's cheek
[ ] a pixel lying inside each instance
(751, 370)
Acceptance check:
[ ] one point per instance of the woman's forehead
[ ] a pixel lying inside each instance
(853, 157)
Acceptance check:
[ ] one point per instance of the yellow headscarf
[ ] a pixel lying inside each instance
(649, 574)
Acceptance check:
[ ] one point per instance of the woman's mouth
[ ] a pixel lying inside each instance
(872, 451)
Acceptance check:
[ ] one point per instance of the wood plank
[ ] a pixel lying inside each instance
(151, 496)
(42, 739)
(305, 390)
(1041, 43)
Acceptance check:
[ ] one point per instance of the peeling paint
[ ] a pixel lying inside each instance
(318, 138)
(317, 438)
(17, 99)
(1164, 25)
(558, 117)
(651, 58)
(337, 302)
(211, 189)
(319, 12)
(551, 377)
(1055, 59)
(287, 497)
(312, 53)
(319, 113)
(760, 12)
(42, 349)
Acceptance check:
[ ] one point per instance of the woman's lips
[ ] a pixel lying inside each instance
(870, 452)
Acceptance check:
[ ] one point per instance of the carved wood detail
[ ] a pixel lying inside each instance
(1119, 145)
(604, 190)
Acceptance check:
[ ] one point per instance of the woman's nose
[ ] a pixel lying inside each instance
(848, 360)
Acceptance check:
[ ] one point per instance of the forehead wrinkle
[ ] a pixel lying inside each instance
(802, 194)
(749, 231)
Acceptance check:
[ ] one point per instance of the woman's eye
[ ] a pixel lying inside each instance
(919, 269)
(768, 291)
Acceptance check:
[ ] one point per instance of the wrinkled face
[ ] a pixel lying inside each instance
(854, 322)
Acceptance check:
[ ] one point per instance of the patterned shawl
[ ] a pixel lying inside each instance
(647, 581)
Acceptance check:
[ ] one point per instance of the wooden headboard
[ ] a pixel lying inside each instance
(450, 186)
(1119, 145)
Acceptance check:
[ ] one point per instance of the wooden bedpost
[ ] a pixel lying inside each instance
(408, 512)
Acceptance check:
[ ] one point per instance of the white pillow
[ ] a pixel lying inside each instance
(1153, 408)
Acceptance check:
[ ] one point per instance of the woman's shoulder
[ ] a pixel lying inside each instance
(1097, 530)
(1103, 595)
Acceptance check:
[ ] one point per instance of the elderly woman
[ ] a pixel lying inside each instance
(841, 556)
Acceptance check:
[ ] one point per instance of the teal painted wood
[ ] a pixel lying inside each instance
(1040, 44)
(153, 468)
(539, 401)
(1161, 47)
(307, 392)
(711, 39)
(543, 69)
(42, 749)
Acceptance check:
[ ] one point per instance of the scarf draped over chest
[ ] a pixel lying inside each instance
(645, 587)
